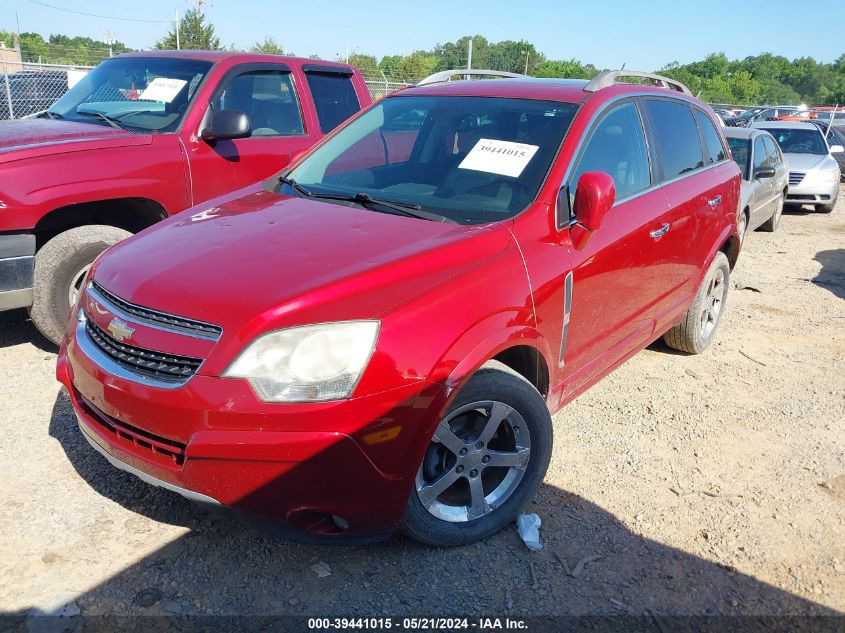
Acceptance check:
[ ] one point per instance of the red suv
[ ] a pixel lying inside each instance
(377, 338)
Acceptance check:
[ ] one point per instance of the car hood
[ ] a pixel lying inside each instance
(28, 137)
(808, 162)
(259, 261)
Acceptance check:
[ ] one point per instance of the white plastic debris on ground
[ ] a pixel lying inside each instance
(528, 526)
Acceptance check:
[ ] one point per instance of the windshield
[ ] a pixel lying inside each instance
(138, 93)
(740, 148)
(795, 141)
(468, 159)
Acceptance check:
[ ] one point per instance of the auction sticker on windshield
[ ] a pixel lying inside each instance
(499, 157)
(162, 89)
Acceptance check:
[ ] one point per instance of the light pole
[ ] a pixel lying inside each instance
(527, 55)
(108, 38)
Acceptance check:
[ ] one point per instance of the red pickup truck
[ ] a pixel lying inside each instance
(141, 137)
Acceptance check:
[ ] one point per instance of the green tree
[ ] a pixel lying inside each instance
(367, 64)
(268, 46)
(564, 68)
(194, 34)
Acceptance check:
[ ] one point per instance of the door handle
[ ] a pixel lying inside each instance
(715, 201)
(663, 230)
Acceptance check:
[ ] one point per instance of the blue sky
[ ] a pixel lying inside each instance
(644, 35)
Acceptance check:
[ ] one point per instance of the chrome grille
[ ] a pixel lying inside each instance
(171, 321)
(795, 177)
(158, 365)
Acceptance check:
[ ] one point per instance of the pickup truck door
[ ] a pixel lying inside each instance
(273, 98)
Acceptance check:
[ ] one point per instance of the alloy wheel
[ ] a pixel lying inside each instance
(713, 303)
(475, 462)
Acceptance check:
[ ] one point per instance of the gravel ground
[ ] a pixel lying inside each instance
(712, 484)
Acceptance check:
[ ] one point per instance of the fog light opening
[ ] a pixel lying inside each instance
(340, 523)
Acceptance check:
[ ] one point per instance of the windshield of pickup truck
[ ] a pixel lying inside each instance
(462, 159)
(136, 93)
(799, 141)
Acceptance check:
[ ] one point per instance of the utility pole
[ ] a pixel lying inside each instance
(108, 38)
(469, 54)
(527, 55)
(177, 30)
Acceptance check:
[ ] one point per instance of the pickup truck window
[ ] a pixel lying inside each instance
(136, 93)
(334, 98)
(470, 159)
(269, 100)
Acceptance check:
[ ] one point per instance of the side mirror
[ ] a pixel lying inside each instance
(764, 172)
(227, 124)
(837, 149)
(594, 197)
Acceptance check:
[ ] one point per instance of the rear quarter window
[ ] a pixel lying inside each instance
(676, 135)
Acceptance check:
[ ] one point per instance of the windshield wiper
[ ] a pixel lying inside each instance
(52, 115)
(102, 116)
(290, 182)
(366, 200)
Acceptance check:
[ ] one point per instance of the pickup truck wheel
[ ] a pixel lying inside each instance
(771, 224)
(486, 459)
(698, 329)
(60, 268)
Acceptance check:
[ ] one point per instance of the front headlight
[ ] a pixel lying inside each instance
(310, 363)
(831, 175)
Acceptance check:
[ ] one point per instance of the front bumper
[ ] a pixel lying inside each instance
(17, 269)
(813, 192)
(211, 440)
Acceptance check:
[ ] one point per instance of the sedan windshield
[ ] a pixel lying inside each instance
(740, 148)
(137, 93)
(465, 159)
(797, 141)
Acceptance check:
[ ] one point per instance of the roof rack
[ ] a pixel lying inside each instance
(609, 77)
(446, 75)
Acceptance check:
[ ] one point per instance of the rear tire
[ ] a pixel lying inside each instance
(444, 519)
(771, 224)
(698, 329)
(60, 268)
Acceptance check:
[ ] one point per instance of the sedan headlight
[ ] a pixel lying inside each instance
(830, 175)
(310, 363)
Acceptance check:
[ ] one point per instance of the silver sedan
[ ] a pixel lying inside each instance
(765, 176)
(813, 171)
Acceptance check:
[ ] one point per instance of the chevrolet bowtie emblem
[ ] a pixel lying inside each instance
(119, 330)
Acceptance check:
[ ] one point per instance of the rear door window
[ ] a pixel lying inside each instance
(334, 98)
(617, 147)
(712, 141)
(678, 144)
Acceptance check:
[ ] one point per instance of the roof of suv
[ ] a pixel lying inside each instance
(568, 90)
(744, 132)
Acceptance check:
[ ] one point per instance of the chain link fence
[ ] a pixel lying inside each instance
(26, 88)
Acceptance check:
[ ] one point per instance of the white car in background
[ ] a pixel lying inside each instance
(813, 171)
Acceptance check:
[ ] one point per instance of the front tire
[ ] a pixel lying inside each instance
(486, 459)
(60, 268)
(771, 224)
(826, 208)
(698, 329)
